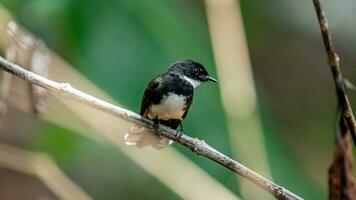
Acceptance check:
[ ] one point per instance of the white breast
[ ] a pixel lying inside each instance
(171, 107)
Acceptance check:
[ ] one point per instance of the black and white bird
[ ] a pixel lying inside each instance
(166, 100)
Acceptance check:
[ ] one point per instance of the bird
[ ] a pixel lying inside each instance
(167, 100)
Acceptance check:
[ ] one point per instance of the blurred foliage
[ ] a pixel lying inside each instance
(108, 178)
(120, 45)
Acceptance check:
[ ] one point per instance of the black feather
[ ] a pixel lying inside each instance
(161, 86)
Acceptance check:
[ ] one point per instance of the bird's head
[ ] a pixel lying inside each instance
(192, 71)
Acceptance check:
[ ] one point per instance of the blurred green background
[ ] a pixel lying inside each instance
(121, 44)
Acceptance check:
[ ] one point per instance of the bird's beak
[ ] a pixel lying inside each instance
(209, 78)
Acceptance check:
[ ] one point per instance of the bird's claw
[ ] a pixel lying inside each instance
(181, 126)
(155, 126)
(178, 135)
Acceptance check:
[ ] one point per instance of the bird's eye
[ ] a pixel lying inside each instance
(195, 71)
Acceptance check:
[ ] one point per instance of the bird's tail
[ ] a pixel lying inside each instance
(141, 137)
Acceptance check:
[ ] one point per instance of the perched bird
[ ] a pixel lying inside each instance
(166, 100)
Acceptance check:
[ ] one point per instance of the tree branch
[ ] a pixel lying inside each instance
(334, 62)
(194, 144)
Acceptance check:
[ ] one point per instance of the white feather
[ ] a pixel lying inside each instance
(172, 106)
(142, 137)
(194, 83)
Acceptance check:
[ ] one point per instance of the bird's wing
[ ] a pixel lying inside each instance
(189, 101)
(150, 95)
(141, 136)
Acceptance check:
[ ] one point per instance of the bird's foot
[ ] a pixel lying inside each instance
(178, 135)
(181, 126)
(155, 126)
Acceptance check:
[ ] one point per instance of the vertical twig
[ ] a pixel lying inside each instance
(341, 181)
(334, 62)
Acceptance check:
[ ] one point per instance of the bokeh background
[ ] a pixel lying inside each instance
(120, 45)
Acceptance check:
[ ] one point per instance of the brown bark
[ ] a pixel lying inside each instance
(341, 182)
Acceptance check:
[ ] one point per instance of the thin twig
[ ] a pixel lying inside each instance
(341, 181)
(334, 62)
(194, 144)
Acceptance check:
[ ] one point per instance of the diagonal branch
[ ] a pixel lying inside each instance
(334, 62)
(194, 144)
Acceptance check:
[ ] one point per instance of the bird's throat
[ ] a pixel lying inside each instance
(194, 83)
